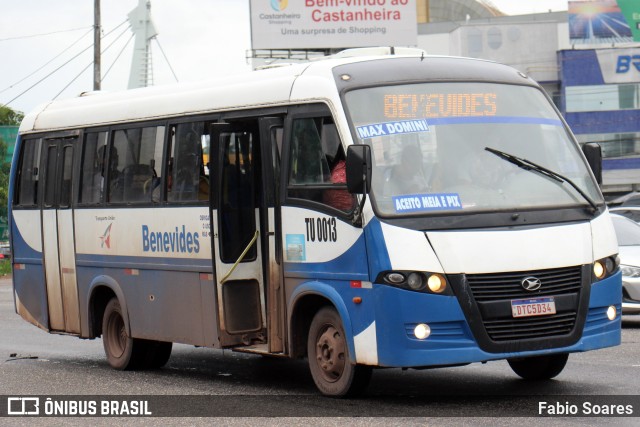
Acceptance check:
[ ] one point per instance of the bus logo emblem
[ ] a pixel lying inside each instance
(106, 238)
(531, 284)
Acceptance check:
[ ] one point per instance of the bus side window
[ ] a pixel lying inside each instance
(28, 181)
(308, 163)
(133, 175)
(317, 158)
(188, 180)
(93, 171)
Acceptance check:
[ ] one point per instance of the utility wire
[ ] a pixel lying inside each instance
(48, 75)
(91, 63)
(166, 59)
(57, 69)
(117, 57)
(43, 34)
(74, 79)
(47, 63)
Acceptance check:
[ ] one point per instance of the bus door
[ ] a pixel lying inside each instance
(271, 132)
(58, 234)
(237, 234)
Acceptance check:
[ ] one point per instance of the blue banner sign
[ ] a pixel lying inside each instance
(426, 202)
(392, 128)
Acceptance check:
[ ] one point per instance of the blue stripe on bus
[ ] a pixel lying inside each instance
(140, 262)
(494, 119)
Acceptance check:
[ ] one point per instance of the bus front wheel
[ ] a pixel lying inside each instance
(328, 354)
(539, 367)
(158, 353)
(123, 352)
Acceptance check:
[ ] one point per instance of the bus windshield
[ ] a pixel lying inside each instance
(431, 146)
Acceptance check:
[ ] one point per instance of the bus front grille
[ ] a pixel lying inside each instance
(494, 292)
(498, 286)
(525, 328)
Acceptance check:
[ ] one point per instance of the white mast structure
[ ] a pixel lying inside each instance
(141, 74)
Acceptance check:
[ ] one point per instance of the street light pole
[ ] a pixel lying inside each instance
(96, 45)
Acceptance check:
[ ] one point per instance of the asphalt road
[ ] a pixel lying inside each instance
(244, 389)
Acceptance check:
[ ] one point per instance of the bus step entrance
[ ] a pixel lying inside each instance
(257, 349)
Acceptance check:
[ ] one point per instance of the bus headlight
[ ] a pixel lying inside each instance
(599, 269)
(605, 267)
(415, 281)
(612, 312)
(436, 283)
(418, 281)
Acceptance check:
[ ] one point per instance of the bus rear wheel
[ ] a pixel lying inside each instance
(539, 367)
(328, 354)
(123, 352)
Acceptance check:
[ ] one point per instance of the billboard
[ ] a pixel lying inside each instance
(317, 24)
(604, 21)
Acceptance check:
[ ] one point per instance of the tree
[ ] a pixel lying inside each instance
(9, 117)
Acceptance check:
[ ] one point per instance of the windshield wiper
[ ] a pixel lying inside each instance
(528, 165)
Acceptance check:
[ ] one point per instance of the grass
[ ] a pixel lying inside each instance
(5, 267)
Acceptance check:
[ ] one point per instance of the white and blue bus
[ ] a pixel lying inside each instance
(369, 211)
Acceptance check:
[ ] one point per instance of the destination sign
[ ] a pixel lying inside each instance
(423, 105)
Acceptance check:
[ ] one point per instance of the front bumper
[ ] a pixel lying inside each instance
(452, 340)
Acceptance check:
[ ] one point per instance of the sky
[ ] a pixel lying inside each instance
(202, 39)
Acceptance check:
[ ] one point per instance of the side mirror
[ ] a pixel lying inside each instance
(593, 153)
(358, 169)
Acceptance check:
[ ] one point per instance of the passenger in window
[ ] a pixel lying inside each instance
(339, 199)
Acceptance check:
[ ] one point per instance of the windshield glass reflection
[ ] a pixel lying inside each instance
(428, 143)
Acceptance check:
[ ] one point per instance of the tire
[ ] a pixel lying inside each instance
(157, 354)
(328, 355)
(123, 352)
(539, 367)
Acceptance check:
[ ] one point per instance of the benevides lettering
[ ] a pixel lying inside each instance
(170, 241)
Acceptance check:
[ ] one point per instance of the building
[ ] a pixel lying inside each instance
(454, 10)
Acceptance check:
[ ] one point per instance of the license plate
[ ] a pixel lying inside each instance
(533, 307)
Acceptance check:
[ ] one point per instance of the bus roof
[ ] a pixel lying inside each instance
(272, 86)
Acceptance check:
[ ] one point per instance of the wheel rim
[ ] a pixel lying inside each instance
(117, 338)
(330, 353)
